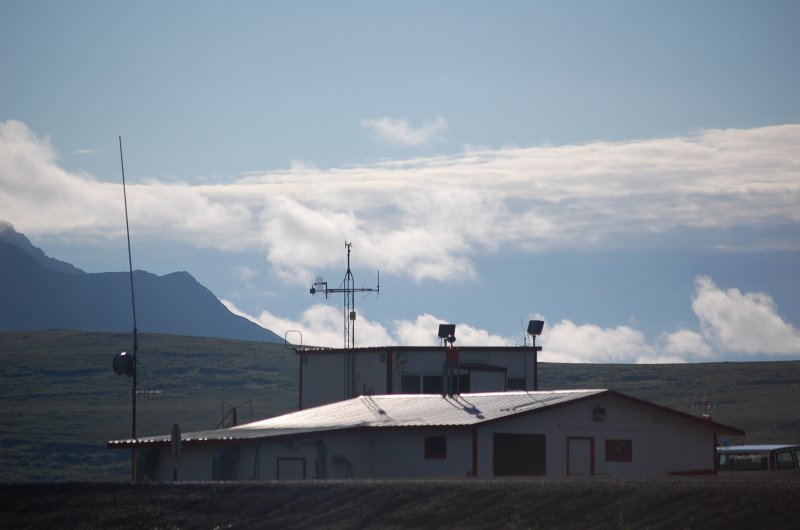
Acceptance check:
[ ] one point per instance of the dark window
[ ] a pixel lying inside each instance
(224, 462)
(460, 383)
(619, 451)
(519, 454)
(435, 447)
(431, 384)
(743, 462)
(515, 383)
(409, 384)
(420, 384)
(785, 460)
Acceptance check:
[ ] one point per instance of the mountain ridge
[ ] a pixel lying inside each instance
(38, 292)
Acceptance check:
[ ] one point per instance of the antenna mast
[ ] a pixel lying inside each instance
(349, 291)
(128, 367)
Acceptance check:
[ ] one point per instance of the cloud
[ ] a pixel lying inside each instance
(426, 218)
(731, 325)
(722, 314)
(319, 325)
(566, 341)
(686, 343)
(84, 152)
(746, 323)
(424, 330)
(400, 132)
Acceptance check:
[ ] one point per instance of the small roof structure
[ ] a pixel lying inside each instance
(402, 411)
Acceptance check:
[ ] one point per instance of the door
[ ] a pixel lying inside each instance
(519, 454)
(580, 453)
(291, 468)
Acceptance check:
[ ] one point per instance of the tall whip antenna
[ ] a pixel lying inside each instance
(131, 369)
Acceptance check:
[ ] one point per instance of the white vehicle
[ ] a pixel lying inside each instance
(766, 457)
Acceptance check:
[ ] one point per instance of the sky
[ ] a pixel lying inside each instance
(628, 172)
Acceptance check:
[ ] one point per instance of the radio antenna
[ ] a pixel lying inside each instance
(349, 291)
(125, 364)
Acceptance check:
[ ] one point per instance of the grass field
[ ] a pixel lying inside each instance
(61, 401)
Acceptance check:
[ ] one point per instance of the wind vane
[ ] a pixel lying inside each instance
(349, 291)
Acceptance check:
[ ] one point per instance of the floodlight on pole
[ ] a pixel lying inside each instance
(535, 328)
(447, 332)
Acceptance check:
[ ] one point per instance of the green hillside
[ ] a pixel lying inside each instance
(61, 401)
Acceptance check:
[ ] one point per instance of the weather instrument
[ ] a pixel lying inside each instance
(348, 289)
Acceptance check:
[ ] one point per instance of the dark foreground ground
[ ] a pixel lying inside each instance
(680, 503)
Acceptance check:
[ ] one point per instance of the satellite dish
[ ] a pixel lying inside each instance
(124, 364)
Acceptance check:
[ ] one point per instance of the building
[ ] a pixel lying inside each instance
(517, 433)
(329, 374)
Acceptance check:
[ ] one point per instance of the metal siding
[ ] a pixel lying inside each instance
(317, 387)
(481, 381)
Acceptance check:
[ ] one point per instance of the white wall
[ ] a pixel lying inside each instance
(323, 371)
(322, 379)
(662, 443)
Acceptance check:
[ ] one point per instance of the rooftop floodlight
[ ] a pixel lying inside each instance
(535, 327)
(447, 332)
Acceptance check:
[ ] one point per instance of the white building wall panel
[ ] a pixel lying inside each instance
(323, 371)
(371, 374)
(402, 454)
(661, 442)
(322, 379)
(487, 381)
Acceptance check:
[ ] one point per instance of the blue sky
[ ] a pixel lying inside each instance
(628, 171)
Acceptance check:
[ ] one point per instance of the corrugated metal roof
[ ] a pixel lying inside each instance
(403, 411)
(400, 410)
(396, 410)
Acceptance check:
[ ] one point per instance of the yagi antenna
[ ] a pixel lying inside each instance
(125, 364)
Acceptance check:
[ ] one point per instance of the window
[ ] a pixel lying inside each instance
(520, 455)
(784, 460)
(410, 384)
(619, 451)
(459, 384)
(420, 384)
(435, 447)
(515, 383)
(743, 462)
(431, 384)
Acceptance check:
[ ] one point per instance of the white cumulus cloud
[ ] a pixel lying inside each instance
(743, 323)
(720, 315)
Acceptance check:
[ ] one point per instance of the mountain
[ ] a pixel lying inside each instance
(38, 292)
(9, 235)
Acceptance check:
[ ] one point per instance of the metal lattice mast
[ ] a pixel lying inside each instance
(349, 291)
(349, 304)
